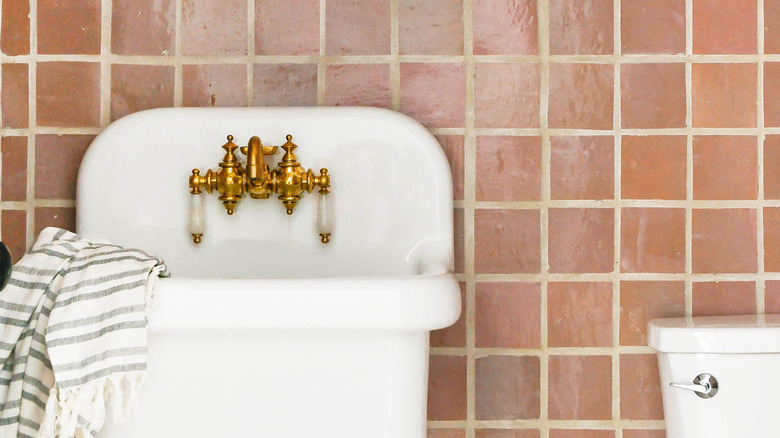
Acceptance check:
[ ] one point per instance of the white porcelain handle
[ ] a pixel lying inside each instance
(197, 216)
(324, 217)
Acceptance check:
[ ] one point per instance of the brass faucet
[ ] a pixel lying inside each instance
(257, 179)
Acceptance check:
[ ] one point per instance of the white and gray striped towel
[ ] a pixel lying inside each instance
(73, 340)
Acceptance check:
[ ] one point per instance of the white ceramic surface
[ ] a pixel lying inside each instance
(262, 330)
(742, 352)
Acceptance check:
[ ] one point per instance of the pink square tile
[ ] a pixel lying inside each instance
(652, 27)
(509, 168)
(446, 433)
(57, 160)
(15, 27)
(139, 87)
(582, 167)
(771, 171)
(582, 433)
(654, 167)
(579, 314)
(447, 388)
(725, 167)
(712, 17)
(430, 28)
(285, 85)
(275, 34)
(505, 27)
(652, 240)
(141, 27)
(771, 26)
(14, 168)
(771, 89)
(581, 96)
(357, 27)
(66, 27)
(724, 95)
(508, 315)
(60, 217)
(772, 239)
(772, 296)
(214, 85)
(641, 301)
(15, 94)
(68, 94)
(652, 95)
(460, 236)
(581, 240)
(13, 231)
(434, 93)
(580, 387)
(453, 146)
(358, 84)
(640, 388)
(506, 433)
(213, 27)
(644, 433)
(454, 335)
(507, 241)
(724, 298)
(506, 96)
(724, 240)
(581, 27)
(507, 387)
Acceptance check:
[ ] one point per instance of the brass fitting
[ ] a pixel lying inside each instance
(257, 179)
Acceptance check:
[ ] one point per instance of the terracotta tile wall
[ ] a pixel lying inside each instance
(613, 160)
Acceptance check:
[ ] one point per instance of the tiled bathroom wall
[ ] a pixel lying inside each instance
(613, 160)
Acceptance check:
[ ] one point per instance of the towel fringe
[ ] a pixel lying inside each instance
(117, 394)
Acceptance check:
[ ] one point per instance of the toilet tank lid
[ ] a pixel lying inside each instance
(716, 334)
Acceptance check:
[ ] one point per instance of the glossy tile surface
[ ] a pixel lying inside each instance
(507, 387)
(653, 167)
(214, 27)
(15, 96)
(508, 315)
(357, 27)
(68, 94)
(581, 96)
(725, 167)
(509, 168)
(430, 28)
(138, 87)
(356, 84)
(14, 168)
(579, 314)
(581, 240)
(140, 27)
(582, 167)
(507, 96)
(285, 85)
(641, 301)
(273, 27)
(580, 387)
(505, 27)
(652, 27)
(581, 27)
(214, 85)
(724, 95)
(69, 27)
(652, 95)
(506, 241)
(652, 240)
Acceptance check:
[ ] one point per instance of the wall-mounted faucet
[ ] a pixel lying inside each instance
(233, 179)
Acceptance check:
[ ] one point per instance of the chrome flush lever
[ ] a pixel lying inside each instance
(704, 385)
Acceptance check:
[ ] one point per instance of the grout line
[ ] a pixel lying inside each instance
(105, 63)
(32, 122)
(321, 63)
(384, 59)
(176, 59)
(395, 66)
(760, 283)
(688, 294)
(543, 19)
(617, 125)
(469, 196)
(251, 52)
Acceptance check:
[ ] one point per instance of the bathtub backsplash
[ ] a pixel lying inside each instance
(607, 155)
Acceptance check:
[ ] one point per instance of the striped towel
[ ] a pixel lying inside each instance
(73, 340)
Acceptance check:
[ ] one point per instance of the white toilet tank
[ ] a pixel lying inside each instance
(741, 353)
